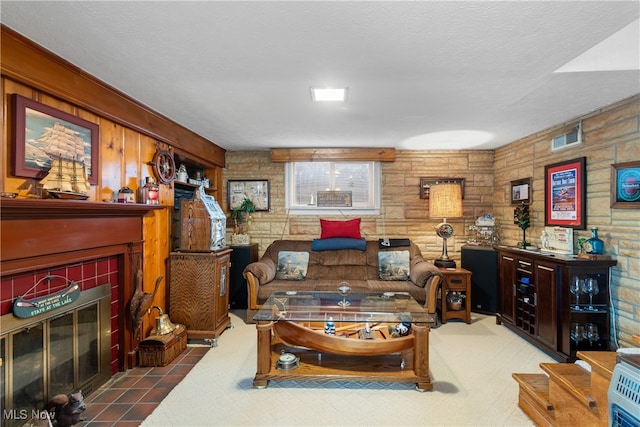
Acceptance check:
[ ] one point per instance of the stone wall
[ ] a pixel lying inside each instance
(403, 213)
(610, 135)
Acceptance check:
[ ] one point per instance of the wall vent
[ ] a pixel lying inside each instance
(571, 137)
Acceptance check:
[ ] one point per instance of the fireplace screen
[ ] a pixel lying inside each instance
(59, 354)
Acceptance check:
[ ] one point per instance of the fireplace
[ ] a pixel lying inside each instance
(46, 245)
(55, 352)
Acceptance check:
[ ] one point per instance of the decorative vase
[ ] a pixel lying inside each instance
(595, 245)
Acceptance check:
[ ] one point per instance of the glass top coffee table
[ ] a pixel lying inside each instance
(343, 336)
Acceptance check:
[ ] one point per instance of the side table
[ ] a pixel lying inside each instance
(459, 280)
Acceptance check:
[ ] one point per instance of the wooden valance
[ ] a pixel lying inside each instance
(283, 155)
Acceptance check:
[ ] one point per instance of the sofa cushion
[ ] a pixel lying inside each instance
(264, 270)
(421, 271)
(338, 243)
(393, 265)
(292, 265)
(349, 228)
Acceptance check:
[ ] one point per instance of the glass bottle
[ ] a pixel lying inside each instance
(150, 192)
(595, 245)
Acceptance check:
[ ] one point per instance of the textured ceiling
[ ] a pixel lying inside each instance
(420, 73)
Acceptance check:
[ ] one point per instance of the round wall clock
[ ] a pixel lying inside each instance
(164, 167)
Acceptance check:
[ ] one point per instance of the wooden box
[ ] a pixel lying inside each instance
(160, 350)
(195, 233)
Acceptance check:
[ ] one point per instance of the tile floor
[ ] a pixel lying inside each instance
(129, 397)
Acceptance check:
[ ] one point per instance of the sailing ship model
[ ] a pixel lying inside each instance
(67, 179)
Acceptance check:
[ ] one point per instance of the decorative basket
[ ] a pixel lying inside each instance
(454, 305)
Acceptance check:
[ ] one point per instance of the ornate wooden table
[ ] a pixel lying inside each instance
(292, 344)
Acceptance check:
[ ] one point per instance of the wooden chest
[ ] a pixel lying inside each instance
(160, 350)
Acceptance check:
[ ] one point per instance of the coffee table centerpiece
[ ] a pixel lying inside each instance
(365, 346)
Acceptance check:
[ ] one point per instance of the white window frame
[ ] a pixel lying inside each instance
(376, 192)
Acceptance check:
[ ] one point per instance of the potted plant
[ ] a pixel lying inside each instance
(454, 300)
(522, 220)
(241, 216)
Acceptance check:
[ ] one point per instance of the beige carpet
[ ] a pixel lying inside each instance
(471, 367)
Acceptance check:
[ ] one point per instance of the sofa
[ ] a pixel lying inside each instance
(369, 267)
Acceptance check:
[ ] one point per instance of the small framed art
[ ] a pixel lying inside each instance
(521, 191)
(427, 182)
(625, 185)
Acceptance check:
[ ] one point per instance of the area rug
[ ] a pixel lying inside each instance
(470, 366)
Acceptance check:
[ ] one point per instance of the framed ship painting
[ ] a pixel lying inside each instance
(42, 134)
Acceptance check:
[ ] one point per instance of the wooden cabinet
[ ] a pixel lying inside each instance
(506, 286)
(535, 300)
(199, 292)
(458, 280)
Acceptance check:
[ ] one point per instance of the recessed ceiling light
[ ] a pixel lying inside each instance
(327, 94)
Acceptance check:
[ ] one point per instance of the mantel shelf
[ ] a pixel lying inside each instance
(49, 208)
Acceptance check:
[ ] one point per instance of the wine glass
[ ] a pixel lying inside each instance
(591, 333)
(344, 289)
(575, 287)
(591, 287)
(577, 332)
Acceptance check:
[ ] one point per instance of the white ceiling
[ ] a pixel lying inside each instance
(238, 73)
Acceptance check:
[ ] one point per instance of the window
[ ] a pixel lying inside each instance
(360, 181)
(571, 138)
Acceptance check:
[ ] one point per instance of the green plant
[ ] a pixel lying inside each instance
(581, 242)
(523, 221)
(241, 212)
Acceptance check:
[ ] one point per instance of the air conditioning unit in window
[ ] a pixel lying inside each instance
(568, 139)
(624, 392)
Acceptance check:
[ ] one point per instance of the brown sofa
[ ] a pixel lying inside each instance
(327, 268)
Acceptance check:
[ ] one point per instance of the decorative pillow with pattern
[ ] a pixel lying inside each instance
(292, 265)
(393, 265)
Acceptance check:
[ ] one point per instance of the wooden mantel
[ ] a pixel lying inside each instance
(37, 234)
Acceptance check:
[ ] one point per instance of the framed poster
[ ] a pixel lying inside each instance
(521, 191)
(256, 190)
(625, 185)
(565, 194)
(42, 133)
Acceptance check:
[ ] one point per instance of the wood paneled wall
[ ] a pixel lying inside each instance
(129, 136)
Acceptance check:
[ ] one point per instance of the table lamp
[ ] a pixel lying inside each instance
(445, 201)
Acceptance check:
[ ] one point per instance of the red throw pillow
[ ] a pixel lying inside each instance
(331, 229)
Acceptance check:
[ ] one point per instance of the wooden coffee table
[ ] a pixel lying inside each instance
(292, 344)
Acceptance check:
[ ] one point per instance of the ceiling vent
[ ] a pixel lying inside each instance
(571, 137)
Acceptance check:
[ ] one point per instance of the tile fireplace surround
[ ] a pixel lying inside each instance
(98, 246)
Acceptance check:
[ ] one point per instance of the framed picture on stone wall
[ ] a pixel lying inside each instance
(565, 194)
(625, 185)
(256, 190)
(521, 191)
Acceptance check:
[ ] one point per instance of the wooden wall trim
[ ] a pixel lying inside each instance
(282, 155)
(26, 62)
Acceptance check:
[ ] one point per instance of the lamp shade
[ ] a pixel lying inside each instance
(445, 201)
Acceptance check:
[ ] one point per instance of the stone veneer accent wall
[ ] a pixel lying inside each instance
(611, 135)
(403, 213)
